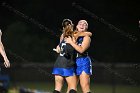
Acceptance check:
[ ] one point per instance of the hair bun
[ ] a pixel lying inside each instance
(66, 22)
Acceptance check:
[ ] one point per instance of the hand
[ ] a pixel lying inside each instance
(88, 34)
(57, 49)
(69, 40)
(6, 63)
(74, 39)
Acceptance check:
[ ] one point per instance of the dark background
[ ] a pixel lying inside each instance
(31, 29)
(25, 38)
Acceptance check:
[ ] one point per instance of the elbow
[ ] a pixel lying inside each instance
(81, 51)
(91, 34)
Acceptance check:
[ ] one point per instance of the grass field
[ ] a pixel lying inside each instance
(96, 88)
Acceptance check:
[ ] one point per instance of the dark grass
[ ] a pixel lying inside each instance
(96, 88)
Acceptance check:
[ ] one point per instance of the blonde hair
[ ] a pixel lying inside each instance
(84, 22)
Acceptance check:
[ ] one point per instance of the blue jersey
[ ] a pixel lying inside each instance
(79, 42)
(83, 61)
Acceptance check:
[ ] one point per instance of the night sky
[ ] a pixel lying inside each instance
(31, 28)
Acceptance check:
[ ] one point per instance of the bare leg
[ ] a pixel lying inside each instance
(58, 82)
(72, 83)
(85, 82)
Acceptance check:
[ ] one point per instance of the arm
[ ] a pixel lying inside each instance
(76, 35)
(57, 49)
(61, 38)
(2, 52)
(85, 44)
(88, 33)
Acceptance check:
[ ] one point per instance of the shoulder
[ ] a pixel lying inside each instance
(0, 32)
(61, 37)
(87, 38)
(89, 33)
